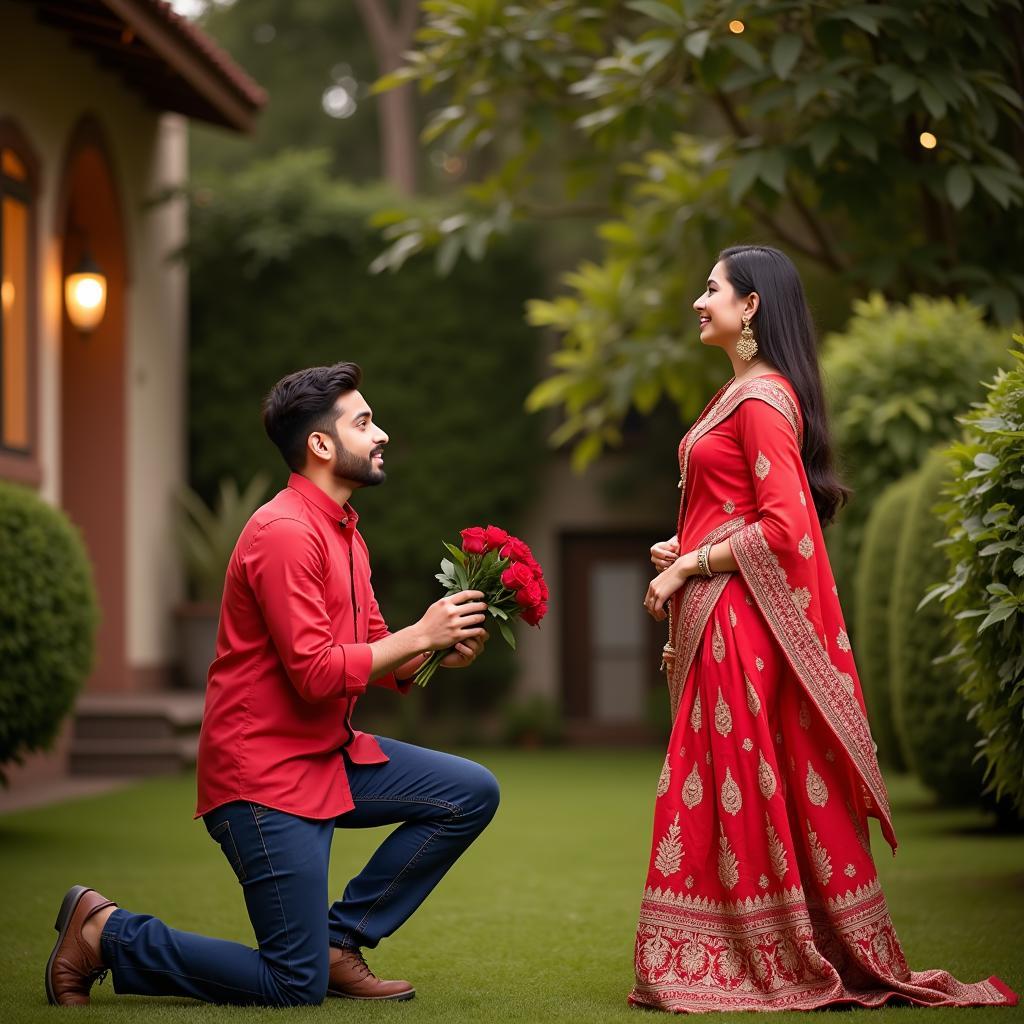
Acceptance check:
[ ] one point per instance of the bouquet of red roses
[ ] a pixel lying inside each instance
(503, 568)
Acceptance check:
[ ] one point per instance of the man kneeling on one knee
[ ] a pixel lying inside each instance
(281, 766)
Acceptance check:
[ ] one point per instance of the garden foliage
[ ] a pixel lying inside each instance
(678, 125)
(897, 377)
(872, 614)
(279, 281)
(48, 620)
(937, 739)
(984, 589)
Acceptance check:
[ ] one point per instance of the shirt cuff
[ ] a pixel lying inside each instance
(358, 665)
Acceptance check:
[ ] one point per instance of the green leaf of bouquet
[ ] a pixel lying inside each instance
(460, 575)
(506, 632)
(447, 567)
(457, 553)
(497, 612)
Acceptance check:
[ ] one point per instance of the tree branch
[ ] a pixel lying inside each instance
(827, 253)
(783, 234)
(390, 39)
(408, 17)
(731, 115)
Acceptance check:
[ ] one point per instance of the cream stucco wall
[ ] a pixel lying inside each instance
(47, 86)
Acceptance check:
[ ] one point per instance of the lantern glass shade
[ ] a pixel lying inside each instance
(85, 295)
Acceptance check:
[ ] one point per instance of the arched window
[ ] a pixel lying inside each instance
(18, 292)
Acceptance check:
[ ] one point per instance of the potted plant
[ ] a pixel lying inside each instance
(207, 537)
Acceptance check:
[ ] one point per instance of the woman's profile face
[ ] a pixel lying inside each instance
(721, 310)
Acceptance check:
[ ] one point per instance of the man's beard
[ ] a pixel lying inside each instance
(358, 470)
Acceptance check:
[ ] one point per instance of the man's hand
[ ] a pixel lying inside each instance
(453, 620)
(466, 652)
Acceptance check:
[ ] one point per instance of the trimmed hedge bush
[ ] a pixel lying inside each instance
(984, 589)
(279, 280)
(873, 616)
(898, 377)
(48, 620)
(931, 716)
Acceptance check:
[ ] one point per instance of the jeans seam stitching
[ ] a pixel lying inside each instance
(277, 890)
(454, 808)
(387, 892)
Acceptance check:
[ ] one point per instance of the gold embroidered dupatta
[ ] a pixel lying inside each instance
(783, 561)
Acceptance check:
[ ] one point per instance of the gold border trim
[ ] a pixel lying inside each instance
(694, 604)
(760, 568)
(770, 391)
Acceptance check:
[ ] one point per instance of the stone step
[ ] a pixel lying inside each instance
(135, 734)
(145, 756)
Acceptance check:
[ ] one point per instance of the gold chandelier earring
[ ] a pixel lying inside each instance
(746, 347)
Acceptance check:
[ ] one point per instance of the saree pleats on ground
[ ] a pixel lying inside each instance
(762, 893)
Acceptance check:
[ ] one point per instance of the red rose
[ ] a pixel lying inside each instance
(474, 540)
(517, 550)
(496, 537)
(517, 576)
(529, 596)
(532, 616)
(544, 592)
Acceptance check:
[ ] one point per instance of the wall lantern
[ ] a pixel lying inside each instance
(85, 295)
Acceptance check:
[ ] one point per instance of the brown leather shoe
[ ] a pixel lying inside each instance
(73, 966)
(351, 978)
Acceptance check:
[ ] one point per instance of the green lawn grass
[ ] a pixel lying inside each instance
(534, 924)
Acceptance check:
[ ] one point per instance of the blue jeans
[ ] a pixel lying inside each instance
(442, 802)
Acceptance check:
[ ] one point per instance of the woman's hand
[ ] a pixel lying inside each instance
(665, 553)
(663, 586)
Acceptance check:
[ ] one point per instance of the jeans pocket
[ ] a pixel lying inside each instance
(260, 811)
(221, 835)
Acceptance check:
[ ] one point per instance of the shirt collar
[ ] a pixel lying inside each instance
(344, 515)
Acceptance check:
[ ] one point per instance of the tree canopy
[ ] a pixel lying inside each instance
(882, 142)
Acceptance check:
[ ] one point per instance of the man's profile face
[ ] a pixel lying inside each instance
(358, 443)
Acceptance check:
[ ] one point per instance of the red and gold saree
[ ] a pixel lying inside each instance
(761, 892)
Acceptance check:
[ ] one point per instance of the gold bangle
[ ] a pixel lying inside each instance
(704, 560)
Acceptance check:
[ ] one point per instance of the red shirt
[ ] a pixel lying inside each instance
(293, 655)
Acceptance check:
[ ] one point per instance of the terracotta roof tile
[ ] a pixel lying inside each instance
(246, 86)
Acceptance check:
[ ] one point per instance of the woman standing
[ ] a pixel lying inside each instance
(761, 892)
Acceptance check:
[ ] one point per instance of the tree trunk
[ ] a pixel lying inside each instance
(391, 36)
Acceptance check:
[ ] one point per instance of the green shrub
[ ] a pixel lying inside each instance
(48, 619)
(897, 379)
(872, 614)
(532, 722)
(931, 716)
(279, 280)
(985, 585)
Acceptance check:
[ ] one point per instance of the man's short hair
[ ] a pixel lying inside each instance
(303, 402)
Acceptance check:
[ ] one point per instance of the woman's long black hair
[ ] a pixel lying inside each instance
(785, 337)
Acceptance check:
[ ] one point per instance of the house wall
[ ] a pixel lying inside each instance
(47, 86)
